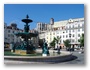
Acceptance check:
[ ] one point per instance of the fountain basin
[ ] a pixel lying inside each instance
(64, 56)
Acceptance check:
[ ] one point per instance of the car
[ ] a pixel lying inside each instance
(70, 49)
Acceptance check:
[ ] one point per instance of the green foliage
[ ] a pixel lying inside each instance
(53, 43)
(55, 40)
(67, 43)
(82, 40)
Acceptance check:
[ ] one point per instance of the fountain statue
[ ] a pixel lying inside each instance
(45, 50)
(26, 47)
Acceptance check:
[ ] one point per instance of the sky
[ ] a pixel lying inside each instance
(14, 13)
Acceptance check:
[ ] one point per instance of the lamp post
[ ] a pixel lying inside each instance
(70, 41)
(29, 41)
(60, 41)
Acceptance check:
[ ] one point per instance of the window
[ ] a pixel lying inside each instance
(72, 40)
(70, 35)
(63, 32)
(82, 25)
(78, 30)
(69, 31)
(73, 30)
(78, 35)
(57, 32)
(8, 31)
(63, 36)
(13, 40)
(78, 25)
(8, 35)
(17, 40)
(66, 27)
(13, 31)
(8, 39)
(63, 40)
(69, 26)
(66, 36)
(66, 31)
(12, 35)
(50, 39)
(73, 35)
(82, 29)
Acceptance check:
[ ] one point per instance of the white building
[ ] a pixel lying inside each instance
(75, 27)
(41, 27)
(63, 29)
(9, 35)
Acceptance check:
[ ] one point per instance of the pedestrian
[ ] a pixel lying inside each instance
(59, 47)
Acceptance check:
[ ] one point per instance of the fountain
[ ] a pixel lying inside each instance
(26, 47)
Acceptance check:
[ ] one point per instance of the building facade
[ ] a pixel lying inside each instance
(63, 30)
(9, 35)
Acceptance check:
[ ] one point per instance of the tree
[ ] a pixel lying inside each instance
(41, 42)
(52, 44)
(58, 39)
(82, 40)
(55, 40)
(67, 43)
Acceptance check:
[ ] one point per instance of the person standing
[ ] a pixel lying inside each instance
(59, 47)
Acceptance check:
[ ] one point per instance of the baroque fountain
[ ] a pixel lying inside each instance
(26, 47)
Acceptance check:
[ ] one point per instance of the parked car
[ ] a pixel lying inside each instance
(70, 49)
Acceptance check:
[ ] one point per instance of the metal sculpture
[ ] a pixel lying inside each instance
(45, 50)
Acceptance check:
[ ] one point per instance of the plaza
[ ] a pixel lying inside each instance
(59, 41)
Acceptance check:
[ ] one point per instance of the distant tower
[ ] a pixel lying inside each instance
(51, 21)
